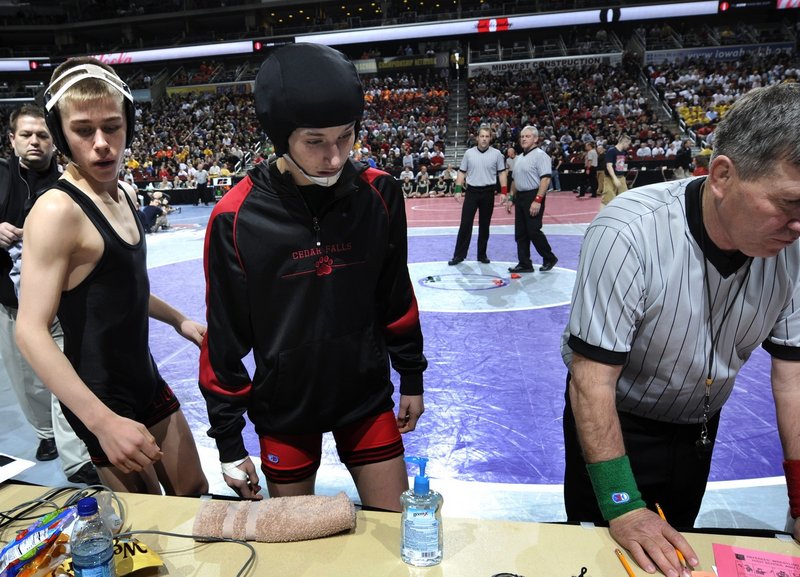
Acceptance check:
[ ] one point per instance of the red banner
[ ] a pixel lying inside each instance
(493, 25)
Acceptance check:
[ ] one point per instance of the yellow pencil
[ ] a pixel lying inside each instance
(661, 514)
(625, 563)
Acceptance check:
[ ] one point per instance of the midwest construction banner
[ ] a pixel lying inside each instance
(495, 68)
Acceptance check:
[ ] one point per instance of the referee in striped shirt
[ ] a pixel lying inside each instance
(678, 283)
(481, 167)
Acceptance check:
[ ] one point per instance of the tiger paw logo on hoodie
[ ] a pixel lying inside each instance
(324, 265)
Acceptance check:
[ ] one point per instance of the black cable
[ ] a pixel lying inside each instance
(204, 539)
(11, 516)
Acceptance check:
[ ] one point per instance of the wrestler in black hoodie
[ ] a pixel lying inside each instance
(312, 279)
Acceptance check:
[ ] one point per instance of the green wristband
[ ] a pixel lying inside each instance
(457, 189)
(615, 487)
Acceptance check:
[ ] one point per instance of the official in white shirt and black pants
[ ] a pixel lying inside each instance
(481, 168)
(532, 174)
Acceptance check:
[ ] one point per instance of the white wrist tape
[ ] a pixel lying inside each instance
(233, 471)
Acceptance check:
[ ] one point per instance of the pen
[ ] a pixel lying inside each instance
(661, 514)
(625, 563)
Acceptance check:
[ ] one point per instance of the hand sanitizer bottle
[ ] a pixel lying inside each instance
(421, 522)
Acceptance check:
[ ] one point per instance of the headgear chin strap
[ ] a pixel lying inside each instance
(78, 74)
(325, 181)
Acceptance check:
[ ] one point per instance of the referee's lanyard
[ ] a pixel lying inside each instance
(703, 444)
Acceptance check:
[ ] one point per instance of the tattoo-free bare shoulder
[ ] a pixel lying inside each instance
(54, 221)
(54, 206)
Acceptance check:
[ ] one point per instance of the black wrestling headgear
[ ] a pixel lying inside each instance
(306, 86)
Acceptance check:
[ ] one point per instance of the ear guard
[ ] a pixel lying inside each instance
(73, 76)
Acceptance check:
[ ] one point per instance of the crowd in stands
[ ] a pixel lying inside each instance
(405, 122)
(700, 92)
(506, 103)
(207, 72)
(587, 40)
(668, 36)
(202, 74)
(571, 106)
(187, 130)
(217, 131)
(405, 125)
(599, 103)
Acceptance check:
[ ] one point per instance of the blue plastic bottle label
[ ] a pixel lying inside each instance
(421, 534)
(94, 558)
(104, 570)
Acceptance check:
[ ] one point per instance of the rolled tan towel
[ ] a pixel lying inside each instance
(276, 520)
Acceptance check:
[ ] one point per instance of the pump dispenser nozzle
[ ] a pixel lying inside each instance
(422, 485)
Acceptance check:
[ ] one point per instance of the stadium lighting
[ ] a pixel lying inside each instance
(421, 30)
(545, 20)
(178, 53)
(18, 64)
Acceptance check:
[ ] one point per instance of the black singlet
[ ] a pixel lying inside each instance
(105, 318)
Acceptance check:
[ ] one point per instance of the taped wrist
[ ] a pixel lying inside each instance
(792, 470)
(233, 471)
(457, 188)
(503, 189)
(615, 487)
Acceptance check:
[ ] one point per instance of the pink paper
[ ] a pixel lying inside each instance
(738, 562)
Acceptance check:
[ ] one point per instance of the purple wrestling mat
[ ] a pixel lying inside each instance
(495, 383)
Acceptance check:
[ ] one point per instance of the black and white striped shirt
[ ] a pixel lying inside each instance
(482, 168)
(640, 301)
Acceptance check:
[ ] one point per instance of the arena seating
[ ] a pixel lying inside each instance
(698, 93)
(407, 112)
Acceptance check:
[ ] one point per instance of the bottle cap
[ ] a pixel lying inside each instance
(87, 506)
(422, 485)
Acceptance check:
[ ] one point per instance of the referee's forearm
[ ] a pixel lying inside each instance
(544, 186)
(503, 178)
(592, 393)
(786, 392)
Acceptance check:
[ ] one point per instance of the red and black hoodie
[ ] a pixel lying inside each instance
(316, 285)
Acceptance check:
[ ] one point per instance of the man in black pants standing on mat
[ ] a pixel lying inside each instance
(532, 174)
(481, 166)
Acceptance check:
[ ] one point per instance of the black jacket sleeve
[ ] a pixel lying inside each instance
(224, 380)
(396, 300)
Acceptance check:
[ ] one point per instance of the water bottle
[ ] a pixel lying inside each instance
(92, 543)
